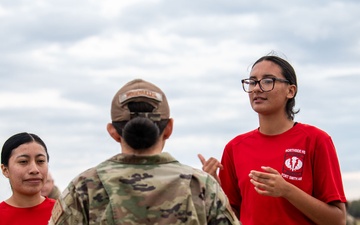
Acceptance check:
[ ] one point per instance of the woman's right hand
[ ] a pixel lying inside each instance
(210, 166)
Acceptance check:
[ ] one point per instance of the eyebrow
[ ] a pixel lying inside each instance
(27, 156)
(267, 75)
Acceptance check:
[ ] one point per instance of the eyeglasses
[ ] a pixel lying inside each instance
(265, 84)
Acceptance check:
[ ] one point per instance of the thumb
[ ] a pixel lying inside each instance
(202, 159)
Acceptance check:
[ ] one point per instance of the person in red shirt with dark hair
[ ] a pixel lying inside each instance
(24, 161)
(283, 172)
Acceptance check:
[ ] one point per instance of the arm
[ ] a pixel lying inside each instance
(68, 210)
(271, 183)
(228, 174)
(220, 211)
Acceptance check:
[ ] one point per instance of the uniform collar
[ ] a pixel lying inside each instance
(161, 158)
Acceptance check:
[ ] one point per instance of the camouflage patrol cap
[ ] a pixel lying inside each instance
(139, 90)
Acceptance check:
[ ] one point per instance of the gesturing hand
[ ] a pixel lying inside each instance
(210, 166)
(269, 183)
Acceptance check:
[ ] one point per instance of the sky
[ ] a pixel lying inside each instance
(61, 62)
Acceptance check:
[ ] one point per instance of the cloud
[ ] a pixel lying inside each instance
(40, 99)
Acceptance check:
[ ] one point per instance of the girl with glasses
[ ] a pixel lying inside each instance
(283, 172)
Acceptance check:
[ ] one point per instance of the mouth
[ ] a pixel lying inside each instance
(33, 180)
(259, 99)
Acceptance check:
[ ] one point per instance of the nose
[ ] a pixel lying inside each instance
(257, 88)
(33, 168)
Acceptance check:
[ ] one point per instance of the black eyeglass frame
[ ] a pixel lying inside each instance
(258, 82)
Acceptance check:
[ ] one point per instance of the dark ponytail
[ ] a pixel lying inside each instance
(140, 132)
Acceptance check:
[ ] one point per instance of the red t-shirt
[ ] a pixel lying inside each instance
(304, 155)
(36, 215)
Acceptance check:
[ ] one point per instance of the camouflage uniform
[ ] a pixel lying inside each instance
(128, 189)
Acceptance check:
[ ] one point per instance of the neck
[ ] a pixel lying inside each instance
(25, 201)
(153, 150)
(274, 125)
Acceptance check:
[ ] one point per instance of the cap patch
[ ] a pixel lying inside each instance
(140, 93)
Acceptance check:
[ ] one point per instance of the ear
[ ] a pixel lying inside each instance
(113, 133)
(5, 170)
(291, 91)
(168, 129)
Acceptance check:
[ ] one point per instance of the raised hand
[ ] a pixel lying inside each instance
(210, 166)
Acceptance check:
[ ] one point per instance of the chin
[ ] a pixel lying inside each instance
(32, 191)
(258, 109)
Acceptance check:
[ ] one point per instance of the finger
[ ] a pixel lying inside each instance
(213, 162)
(259, 179)
(262, 192)
(220, 166)
(269, 169)
(202, 159)
(258, 184)
(260, 188)
(254, 173)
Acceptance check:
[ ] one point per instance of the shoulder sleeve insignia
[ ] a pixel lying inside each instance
(57, 211)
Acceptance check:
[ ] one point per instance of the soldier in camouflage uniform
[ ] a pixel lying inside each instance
(142, 185)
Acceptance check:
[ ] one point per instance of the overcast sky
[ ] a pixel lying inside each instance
(61, 62)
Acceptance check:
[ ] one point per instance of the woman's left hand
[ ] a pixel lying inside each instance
(269, 183)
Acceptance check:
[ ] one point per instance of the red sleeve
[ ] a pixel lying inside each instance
(228, 178)
(328, 184)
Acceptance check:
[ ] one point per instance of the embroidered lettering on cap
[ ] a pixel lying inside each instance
(140, 93)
